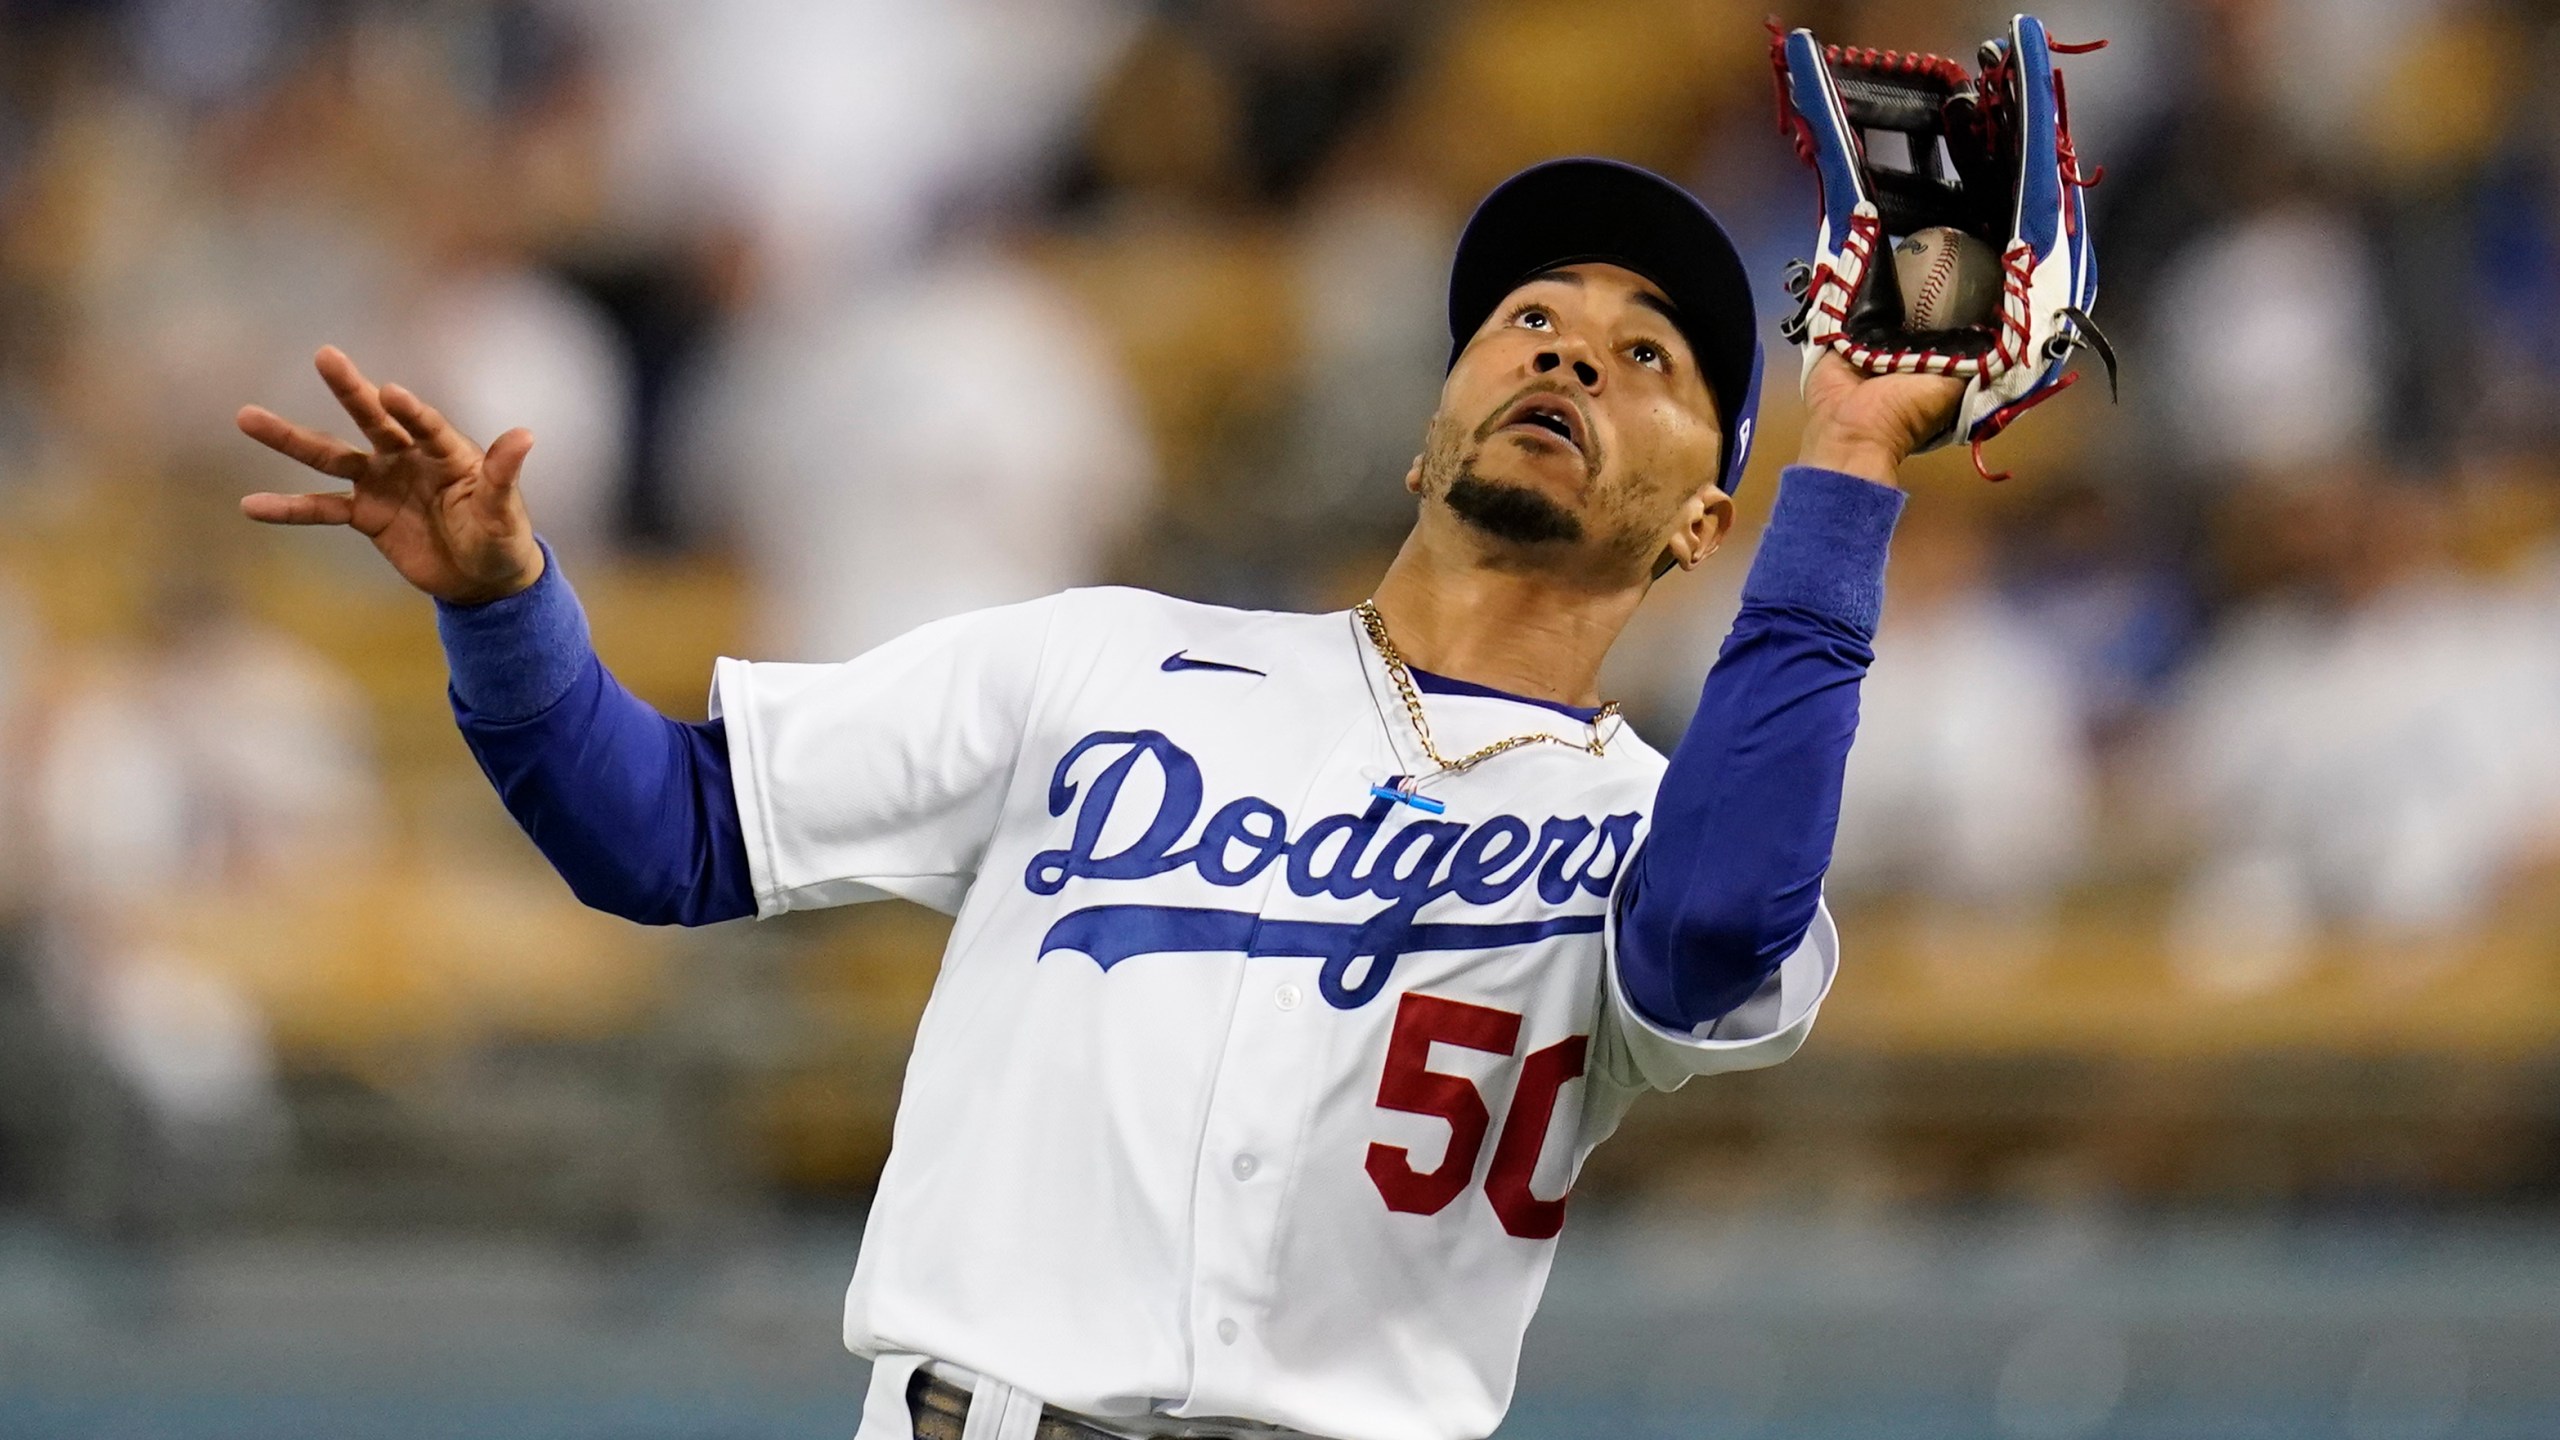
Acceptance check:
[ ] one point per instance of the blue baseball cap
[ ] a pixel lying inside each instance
(1589, 211)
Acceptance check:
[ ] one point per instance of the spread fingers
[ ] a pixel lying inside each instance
(434, 433)
(271, 509)
(300, 443)
(363, 403)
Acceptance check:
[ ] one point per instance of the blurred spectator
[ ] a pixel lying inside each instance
(219, 757)
(1369, 266)
(194, 1052)
(2432, 135)
(2371, 742)
(1239, 100)
(23, 667)
(837, 131)
(957, 440)
(2180, 174)
(2334, 58)
(205, 51)
(1298, 499)
(2105, 594)
(508, 345)
(2147, 71)
(2269, 339)
(219, 753)
(2509, 271)
(1512, 82)
(1970, 784)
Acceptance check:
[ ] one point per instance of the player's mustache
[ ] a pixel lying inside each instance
(1590, 430)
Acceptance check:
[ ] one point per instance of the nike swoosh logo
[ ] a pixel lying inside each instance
(1181, 661)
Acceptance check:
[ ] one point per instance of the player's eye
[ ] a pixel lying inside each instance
(1650, 355)
(1533, 317)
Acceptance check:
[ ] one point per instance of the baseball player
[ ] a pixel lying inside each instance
(1298, 960)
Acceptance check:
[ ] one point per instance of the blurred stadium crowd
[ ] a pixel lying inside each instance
(2202, 825)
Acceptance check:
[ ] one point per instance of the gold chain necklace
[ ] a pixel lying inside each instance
(1398, 671)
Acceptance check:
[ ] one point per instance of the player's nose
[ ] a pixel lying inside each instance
(1569, 356)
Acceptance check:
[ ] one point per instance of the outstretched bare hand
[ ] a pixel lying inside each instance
(443, 511)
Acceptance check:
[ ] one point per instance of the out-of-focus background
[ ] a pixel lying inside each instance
(2196, 1066)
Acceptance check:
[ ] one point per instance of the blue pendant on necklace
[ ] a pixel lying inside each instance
(1400, 790)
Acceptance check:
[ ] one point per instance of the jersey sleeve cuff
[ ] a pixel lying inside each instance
(513, 658)
(733, 705)
(1761, 1031)
(1824, 549)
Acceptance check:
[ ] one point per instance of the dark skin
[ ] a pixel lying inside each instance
(1588, 345)
(1537, 617)
(445, 513)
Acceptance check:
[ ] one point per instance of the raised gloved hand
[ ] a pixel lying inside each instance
(1909, 143)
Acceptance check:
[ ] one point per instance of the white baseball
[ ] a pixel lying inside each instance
(1949, 280)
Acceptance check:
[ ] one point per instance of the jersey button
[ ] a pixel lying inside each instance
(1226, 1332)
(1287, 997)
(1245, 1166)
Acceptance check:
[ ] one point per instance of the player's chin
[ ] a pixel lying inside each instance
(1509, 510)
(1536, 462)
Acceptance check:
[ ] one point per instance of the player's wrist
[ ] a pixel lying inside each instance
(513, 657)
(1850, 453)
(517, 570)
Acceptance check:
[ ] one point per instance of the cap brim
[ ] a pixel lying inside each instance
(1591, 211)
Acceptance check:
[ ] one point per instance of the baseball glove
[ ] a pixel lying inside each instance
(1907, 142)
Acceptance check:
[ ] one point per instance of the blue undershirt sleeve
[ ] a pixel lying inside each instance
(1731, 873)
(634, 809)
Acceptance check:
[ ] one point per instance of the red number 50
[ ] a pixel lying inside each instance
(1412, 1086)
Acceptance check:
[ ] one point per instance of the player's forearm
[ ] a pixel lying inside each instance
(1743, 825)
(635, 810)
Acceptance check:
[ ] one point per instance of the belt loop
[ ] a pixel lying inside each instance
(885, 1415)
(998, 1411)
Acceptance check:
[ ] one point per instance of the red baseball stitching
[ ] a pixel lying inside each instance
(1933, 285)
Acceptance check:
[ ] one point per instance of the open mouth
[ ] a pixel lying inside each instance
(1550, 415)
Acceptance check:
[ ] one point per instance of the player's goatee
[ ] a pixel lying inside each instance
(1511, 512)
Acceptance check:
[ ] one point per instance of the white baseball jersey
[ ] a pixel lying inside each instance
(1243, 1091)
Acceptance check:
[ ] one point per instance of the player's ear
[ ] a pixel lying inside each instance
(1413, 476)
(1705, 518)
